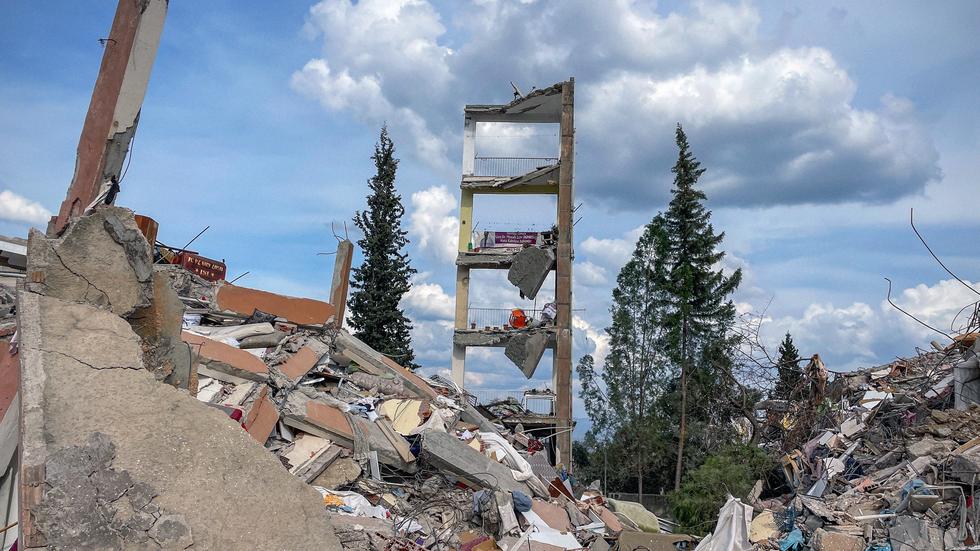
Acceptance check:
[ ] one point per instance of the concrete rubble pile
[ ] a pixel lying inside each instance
(885, 458)
(163, 410)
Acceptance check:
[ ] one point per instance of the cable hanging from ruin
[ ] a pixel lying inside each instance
(899, 308)
(928, 248)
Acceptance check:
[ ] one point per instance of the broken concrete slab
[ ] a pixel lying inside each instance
(102, 260)
(218, 359)
(447, 453)
(340, 472)
(158, 326)
(529, 268)
(237, 332)
(262, 417)
(526, 349)
(262, 341)
(77, 361)
(300, 363)
(245, 301)
(823, 540)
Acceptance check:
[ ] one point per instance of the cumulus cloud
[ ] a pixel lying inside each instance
(433, 224)
(611, 253)
(16, 208)
(375, 55)
(773, 126)
(427, 301)
(861, 335)
(772, 129)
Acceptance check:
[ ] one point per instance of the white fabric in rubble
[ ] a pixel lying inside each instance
(732, 531)
(437, 421)
(361, 506)
(498, 447)
(539, 531)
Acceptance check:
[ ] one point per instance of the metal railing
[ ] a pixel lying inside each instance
(541, 405)
(495, 317)
(510, 166)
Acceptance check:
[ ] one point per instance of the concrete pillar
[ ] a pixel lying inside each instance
(115, 106)
(469, 146)
(341, 279)
(563, 280)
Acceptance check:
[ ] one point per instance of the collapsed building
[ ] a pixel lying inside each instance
(146, 402)
(885, 458)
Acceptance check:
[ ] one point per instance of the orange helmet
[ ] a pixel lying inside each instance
(517, 318)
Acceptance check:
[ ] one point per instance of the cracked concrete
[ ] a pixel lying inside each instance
(102, 260)
(525, 350)
(158, 326)
(88, 504)
(529, 268)
(200, 463)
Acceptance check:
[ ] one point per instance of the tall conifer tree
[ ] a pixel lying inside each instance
(384, 276)
(698, 308)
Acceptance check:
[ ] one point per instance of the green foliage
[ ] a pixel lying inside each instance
(671, 314)
(789, 370)
(384, 276)
(732, 471)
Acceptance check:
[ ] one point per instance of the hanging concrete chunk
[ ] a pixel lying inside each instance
(526, 349)
(530, 268)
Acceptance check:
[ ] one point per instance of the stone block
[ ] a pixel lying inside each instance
(824, 540)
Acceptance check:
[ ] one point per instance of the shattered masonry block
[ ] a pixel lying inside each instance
(530, 268)
(245, 301)
(102, 260)
(91, 505)
(225, 362)
(526, 349)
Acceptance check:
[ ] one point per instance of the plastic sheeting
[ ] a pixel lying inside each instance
(732, 531)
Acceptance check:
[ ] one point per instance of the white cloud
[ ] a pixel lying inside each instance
(376, 53)
(16, 208)
(591, 274)
(611, 253)
(860, 335)
(597, 339)
(428, 301)
(775, 128)
(433, 223)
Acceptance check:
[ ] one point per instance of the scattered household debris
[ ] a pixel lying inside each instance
(885, 458)
(148, 376)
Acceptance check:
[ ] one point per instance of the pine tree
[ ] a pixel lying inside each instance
(383, 277)
(789, 370)
(698, 310)
(633, 369)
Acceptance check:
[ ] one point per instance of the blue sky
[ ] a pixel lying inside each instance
(820, 125)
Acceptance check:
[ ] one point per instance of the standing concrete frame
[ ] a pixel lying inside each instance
(114, 110)
(550, 105)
